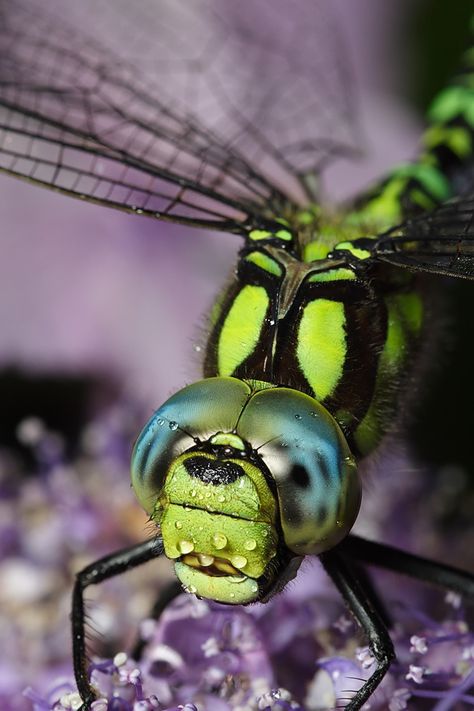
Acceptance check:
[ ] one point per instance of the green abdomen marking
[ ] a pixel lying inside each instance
(321, 349)
(241, 329)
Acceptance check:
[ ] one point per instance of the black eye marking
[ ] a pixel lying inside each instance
(300, 476)
(212, 471)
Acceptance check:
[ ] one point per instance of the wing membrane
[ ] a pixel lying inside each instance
(441, 242)
(198, 112)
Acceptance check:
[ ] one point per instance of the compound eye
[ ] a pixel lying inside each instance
(193, 414)
(315, 474)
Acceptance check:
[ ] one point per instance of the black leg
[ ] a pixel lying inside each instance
(365, 579)
(384, 556)
(172, 590)
(359, 603)
(98, 571)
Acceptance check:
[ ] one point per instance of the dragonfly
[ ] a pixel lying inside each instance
(225, 117)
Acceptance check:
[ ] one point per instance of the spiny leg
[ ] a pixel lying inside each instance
(94, 573)
(360, 604)
(384, 556)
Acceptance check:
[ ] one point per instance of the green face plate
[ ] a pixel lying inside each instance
(221, 535)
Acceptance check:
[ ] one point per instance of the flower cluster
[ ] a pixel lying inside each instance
(299, 651)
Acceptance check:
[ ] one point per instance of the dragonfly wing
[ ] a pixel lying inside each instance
(441, 241)
(203, 112)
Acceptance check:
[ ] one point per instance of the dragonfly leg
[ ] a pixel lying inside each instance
(365, 579)
(415, 566)
(93, 574)
(360, 604)
(166, 595)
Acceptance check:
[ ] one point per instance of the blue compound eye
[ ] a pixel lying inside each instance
(194, 413)
(300, 444)
(307, 455)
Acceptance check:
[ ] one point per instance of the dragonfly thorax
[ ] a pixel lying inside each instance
(327, 323)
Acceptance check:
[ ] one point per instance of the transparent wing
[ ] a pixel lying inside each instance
(441, 242)
(204, 112)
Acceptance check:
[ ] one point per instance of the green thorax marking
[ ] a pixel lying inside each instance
(320, 323)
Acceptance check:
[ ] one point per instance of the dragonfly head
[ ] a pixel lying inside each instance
(244, 479)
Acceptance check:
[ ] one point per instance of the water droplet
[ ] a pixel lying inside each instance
(297, 417)
(173, 425)
(208, 495)
(272, 322)
(178, 524)
(191, 589)
(313, 414)
(250, 544)
(219, 541)
(197, 348)
(161, 422)
(239, 561)
(206, 560)
(193, 493)
(185, 547)
(221, 498)
(232, 595)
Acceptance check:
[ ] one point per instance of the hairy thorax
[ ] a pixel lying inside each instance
(343, 334)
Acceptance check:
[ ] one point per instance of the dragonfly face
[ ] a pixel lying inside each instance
(244, 479)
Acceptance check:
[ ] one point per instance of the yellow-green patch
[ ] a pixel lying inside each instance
(457, 138)
(264, 262)
(241, 328)
(228, 439)
(356, 251)
(260, 234)
(384, 209)
(341, 274)
(266, 234)
(284, 234)
(321, 349)
(452, 102)
(315, 251)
